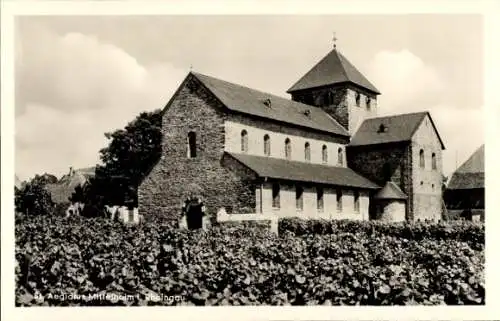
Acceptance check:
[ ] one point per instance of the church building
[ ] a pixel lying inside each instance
(323, 153)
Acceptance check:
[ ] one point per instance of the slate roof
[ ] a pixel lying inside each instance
(250, 101)
(62, 190)
(303, 172)
(398, 128)
(334, 68)
(471, 173)
(391, 192)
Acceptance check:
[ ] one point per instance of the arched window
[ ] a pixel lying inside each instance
(434, 162)
(244, 141)
(422, 159)
(340, 156)
(368, 103)
(288, 148)
(324, 154)
(191, 145)
(307, 152)
(358, 99)
(267, 145)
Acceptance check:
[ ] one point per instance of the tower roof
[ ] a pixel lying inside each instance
(334, 68)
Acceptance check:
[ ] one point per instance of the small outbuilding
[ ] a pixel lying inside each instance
(390, 203)
(464, 195)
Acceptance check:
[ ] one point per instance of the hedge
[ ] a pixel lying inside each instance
(231, 265)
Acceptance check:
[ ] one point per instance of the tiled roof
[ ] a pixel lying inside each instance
(62, 190)
(250, 101)
(334, 68)
(397, 128)
(391, 191)
(466, 181)
(471, 173)
(475, 163)
(60, 193)
(303, 172)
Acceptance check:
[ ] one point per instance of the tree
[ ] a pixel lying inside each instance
(130, 155)
(43, 179)
(34, 199)
(78, 196)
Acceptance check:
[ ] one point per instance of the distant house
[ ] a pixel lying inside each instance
(62, 190)
(464, 195)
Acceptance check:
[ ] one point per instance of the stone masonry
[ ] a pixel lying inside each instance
(427, 201)
(161, 193)
(342, 106)
(382, 163)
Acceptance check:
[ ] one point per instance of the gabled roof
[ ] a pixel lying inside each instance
(471, 173)
(334, 68)
(391, 192)
(397, 128)
(303, 172)
(475, 163)
(62, 190)
(250, 101)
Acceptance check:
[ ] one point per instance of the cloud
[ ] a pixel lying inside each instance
(462, 133)
(406, 82)
(51, 140)
(73, 88)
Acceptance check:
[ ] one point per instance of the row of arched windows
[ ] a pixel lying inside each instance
(288, 149)
(422, 160)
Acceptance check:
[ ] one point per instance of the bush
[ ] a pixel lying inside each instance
(463, 231)
(239, 265)
(33, 200)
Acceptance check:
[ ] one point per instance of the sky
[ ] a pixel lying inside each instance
(77, 78)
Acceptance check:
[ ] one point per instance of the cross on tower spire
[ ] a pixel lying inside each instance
(334, 40)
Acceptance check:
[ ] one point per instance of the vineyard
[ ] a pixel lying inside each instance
(308, 263)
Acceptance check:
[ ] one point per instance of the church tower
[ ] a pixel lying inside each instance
(336, 86)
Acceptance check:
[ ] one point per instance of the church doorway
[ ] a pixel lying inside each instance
(194, 212)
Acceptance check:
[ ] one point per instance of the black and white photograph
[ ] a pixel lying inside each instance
(248, 160)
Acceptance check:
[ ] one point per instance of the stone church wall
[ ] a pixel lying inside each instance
(381, 163)
(427, 182)
(298, 138)
(171, 179)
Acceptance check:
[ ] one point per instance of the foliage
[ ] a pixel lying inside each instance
(232, 265)
(78, 195)
(131, 153)
(462, 231)
(43, 179)
(33, 198)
